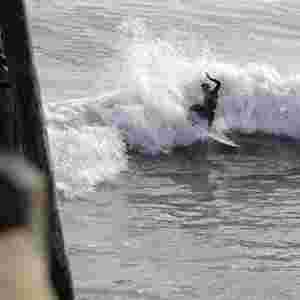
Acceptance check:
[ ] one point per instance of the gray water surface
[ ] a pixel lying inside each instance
(220, 225)
(188, 225)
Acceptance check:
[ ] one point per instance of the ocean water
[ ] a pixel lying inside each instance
(146, 214)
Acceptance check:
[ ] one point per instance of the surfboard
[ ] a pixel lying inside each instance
(217, 136)
(223, 139)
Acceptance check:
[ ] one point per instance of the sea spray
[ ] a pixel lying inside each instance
(85, 157)
(149, 111)
(167, 81)
(86, 151)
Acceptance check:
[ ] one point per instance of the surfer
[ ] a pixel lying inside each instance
(207, 109)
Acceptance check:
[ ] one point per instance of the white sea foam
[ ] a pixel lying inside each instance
(164, 82)
(158, 83)
(84, 155)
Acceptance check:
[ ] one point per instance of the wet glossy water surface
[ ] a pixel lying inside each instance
(216, 225)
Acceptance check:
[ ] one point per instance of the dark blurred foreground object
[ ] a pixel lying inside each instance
(22, 129)
(3, 60)
(24, 273)
(6, 134)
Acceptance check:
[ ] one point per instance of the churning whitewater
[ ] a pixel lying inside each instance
(90, 137)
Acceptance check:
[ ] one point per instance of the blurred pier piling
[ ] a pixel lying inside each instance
(23, 131)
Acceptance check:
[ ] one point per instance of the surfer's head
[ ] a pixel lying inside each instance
(205, 87)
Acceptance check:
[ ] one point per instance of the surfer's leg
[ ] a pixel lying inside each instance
(200, 110)
(211, 117)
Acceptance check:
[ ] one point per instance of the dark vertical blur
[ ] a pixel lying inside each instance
(7, 107)
(22, 128)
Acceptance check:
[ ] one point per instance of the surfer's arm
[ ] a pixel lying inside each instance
(216, 81)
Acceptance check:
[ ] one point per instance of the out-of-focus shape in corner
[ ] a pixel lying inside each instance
(24, 273)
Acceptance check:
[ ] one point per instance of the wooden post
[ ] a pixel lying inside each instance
(26, 132)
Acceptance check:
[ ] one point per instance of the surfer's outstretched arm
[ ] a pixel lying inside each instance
(216, 81)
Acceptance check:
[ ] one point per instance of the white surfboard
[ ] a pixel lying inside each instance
(223, 139)
(213, 134)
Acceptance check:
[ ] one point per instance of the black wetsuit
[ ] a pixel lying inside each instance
(207, 110)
